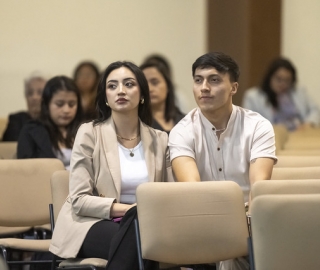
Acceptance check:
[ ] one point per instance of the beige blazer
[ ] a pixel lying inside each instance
(95, 180)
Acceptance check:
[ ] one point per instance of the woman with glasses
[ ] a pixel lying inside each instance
(280, 100)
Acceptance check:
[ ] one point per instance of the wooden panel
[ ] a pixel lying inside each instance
(249, 31)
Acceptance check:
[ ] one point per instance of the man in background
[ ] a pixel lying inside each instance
(33, 88)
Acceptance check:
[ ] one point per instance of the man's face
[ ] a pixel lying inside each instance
(33, 95)
(213, 90)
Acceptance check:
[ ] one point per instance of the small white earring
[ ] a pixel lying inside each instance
(142, 101)
(107, 104)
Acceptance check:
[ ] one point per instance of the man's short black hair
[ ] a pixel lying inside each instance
(221, 62)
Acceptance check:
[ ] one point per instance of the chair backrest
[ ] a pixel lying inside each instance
(303, 144)
(59, 190)
(299, 152)
(281, 136)
(3, 265)
(285, 187)
(285, 231)
(291, 173)
(8, 150)
(25, 191)
(192, 223)
(297, 161)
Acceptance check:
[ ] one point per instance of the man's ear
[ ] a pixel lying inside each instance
(234, 88)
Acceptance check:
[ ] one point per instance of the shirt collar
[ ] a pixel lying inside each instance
(207, 124)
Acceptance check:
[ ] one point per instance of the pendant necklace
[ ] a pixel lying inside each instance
(129, 139)
(131, 152)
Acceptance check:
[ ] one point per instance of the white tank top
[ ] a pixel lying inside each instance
(133, 171)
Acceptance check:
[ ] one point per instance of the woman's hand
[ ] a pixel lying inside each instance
(119, 209)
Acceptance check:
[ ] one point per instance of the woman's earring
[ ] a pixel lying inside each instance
(142, 101)
(107, 104)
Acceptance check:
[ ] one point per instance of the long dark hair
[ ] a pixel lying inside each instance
(51, 88)
(265, 84)
(104, 112)
(90, 64)
(170, 106)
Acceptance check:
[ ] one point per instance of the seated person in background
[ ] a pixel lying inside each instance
(165, 113)
(279, 99)
(52, 135)
(86, 77)
(33, 87)
(220, 141)
(111, 156)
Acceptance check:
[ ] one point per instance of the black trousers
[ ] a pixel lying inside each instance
(116, 243)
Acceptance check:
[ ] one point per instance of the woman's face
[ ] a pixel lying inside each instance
(122, 91)
(157, 86)
(86, 79)
(63, 107)
(281, 81)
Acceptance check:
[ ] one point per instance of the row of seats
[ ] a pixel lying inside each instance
(300, 142)
(13, 191)
(284, 216)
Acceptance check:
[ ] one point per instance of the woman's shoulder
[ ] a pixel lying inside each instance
(253, 91)
(33, 125)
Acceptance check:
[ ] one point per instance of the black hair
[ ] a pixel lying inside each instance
(104, 112)
(273, 68)
(54, 85)
(170, 106)
(90, 64)
(221, 62)
(159, 59)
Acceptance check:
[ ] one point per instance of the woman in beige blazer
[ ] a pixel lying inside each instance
(111, 156)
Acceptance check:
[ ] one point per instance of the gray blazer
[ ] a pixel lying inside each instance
(95, 180)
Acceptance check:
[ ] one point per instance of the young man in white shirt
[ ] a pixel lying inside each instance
(218, 140)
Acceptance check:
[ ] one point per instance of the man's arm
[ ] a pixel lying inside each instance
(185, 169)
(260, 169)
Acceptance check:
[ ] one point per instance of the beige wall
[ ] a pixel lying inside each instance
(54, 36)
(301, 41)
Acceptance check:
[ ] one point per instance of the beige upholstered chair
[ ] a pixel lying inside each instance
(312, 143)
(311, 152)
(24, 198)
(191, 223)
(285, 232)
(281, 135)
(60, 191)
(3, 265)
(10, 231)
(297, 161)
(291, 173)
(285, 187)
(8, 150)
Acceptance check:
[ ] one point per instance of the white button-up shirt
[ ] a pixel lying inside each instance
(248, 136)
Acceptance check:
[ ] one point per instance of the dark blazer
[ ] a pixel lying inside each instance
(15, 125)
(34, 141)
(178, 116)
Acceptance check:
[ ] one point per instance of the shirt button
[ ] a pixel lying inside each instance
(220, 169)
(218, 148)
(213, 129)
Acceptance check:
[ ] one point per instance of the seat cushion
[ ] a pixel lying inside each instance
(88, 261)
